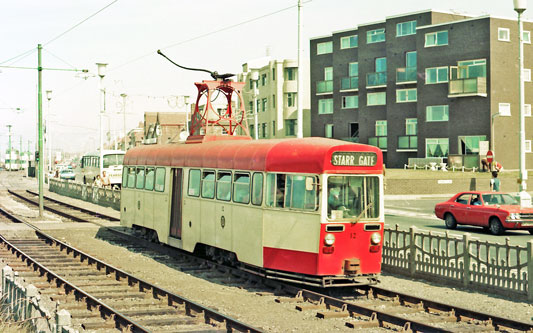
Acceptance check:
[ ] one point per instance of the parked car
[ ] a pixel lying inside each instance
(67, 174)
(494, 211)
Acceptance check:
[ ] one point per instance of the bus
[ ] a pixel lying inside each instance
(89, 167)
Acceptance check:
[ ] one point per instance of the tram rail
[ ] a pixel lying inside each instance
(369, 307)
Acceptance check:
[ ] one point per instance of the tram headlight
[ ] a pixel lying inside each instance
(329, 239)
(375, 238)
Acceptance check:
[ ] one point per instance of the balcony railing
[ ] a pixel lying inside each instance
(324, 86)
(476, 86)
(378, 141)
(408, 142)
(406, 74)
(376, 79)
(351, 82)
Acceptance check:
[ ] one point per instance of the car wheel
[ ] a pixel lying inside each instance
(496, 227)
(450, 222)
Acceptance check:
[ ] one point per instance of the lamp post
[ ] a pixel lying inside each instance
(48, 134)
(299, 102)
(255, 78)
(123, 95)
(101, 74)
(186, 101)
(525, 199)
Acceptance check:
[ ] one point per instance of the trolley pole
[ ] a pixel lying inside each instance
(40, 129)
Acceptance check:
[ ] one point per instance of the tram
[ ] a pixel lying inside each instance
(306, 210)
(12, 160)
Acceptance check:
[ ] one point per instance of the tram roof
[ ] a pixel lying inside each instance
(308, 155)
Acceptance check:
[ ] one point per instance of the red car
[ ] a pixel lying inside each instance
(493, 211)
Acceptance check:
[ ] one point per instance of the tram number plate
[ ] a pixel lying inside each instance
(348, 158)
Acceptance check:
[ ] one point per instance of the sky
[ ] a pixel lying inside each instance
(125, 34)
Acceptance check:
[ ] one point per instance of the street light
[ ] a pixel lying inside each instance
(525, 199)
(47, 128)
(123, 95)
(255, 78)
(101, 74)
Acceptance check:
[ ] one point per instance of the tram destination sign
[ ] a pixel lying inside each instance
(350, 158)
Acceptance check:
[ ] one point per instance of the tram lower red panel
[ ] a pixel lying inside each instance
(290, 260)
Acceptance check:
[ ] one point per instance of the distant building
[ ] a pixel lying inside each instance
(276, 98)
(163, 127)
(424, 84)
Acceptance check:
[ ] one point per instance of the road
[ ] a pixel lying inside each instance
(417, 211)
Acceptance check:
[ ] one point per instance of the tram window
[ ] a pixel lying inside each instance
(160, 179)
(194, 183)
(224, 186)
(270, 190)
(257, 189)
(131, 177)
(353, 196)
(280, 191)
(149, 181)
(298, 196)
(140, 178)
(125, 177)
(241, 188)
(208, 184)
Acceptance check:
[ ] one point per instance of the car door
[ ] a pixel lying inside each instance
(460, 208)
(475, 210)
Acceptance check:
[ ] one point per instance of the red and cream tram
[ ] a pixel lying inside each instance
(307, 210)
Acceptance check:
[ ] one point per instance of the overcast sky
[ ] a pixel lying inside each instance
(213, 34)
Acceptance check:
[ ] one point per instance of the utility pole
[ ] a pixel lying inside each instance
(123, 95)
(300, 98)
(9, 129)
(40, 129)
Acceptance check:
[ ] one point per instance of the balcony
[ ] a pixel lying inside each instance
(406, 75)
(376, 80)
(324, 87)
(476, 86)
(378, 141)
(350, 83)
(407, 143)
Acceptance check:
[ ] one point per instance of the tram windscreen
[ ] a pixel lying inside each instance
(353, 197)
(113, 159)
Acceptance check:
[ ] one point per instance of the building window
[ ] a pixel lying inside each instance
(527, 110)
(437, 147)
(436, 39)
(526, 37)
(528, 146)
(405, 95)
(273, 101)
(411, 126)
(290, 74)
(504, 109)
(527, 75)
(350, 102)
(406, 28)
(349, 42)
(263, 79)
(251, 107)
(323, 48)
(437, 113)
(504, 34)
(381, 128)
(273, 128)
(325, 106)
(381, 65)
(410, 59)
(328, 131)
(264, 130)
(353, 69)
(290, 127)
(470, 144)
(436, 75)
(291, 99)
(258, 105)
(274, 74)
(265, 104)
(469, 69)
(328, 73)
(375, 36)
(379, 98)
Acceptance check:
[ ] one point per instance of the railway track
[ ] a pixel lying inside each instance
(370, 307)
(101, 297)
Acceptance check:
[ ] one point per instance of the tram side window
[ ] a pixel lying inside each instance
(131, 177)
(149, 179)
(140, 178)
(125, 177)
(275, 190)
(208, 184)
(257, 189)
(194, 183)
(301, 192)
(224, 185)
(241, 188)
(160, 179)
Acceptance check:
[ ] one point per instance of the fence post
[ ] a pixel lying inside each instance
(32, 293)
(412, 251)
(530, 270)
(62, 320)
(466, 259)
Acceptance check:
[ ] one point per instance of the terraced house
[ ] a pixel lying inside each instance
(424, 84)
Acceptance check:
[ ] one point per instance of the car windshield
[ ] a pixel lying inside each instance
(499, 199)
(353, 196)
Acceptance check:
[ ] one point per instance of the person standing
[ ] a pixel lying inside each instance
(495, 182)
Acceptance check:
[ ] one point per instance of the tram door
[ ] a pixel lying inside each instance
(175, 207)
